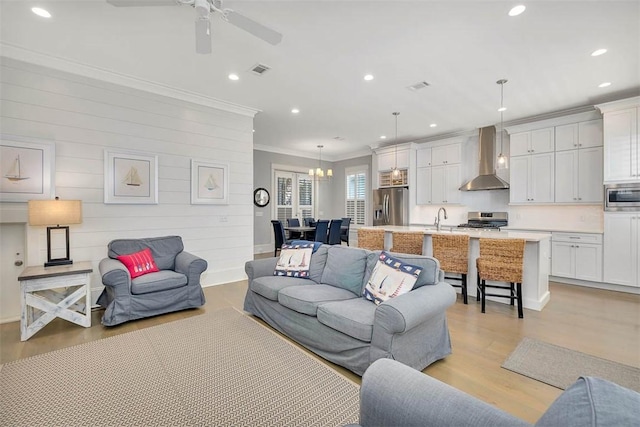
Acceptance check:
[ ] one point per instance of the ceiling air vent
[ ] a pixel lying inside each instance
(260, 69)
(417, 86)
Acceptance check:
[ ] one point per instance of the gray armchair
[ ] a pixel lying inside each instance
(175, 287)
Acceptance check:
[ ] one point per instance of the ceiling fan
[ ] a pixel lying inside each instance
(204, 9)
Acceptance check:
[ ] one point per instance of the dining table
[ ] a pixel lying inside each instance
(306, 231)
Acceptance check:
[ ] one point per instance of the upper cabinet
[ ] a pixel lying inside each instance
(579, 135)
(621, 143)
(438, 174)
(387, 159)
(533, 142)
(446, 154)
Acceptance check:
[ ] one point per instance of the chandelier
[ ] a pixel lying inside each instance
(319, 172)
(502, 159)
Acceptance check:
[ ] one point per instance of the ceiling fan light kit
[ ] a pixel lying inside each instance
(204, 9)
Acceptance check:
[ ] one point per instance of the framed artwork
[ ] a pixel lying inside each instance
(209, 183)
(130, 178)
(27, 169)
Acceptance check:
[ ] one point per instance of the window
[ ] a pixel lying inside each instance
(294, 196)
(356, 195)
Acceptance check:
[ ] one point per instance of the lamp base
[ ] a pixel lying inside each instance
(54, 263)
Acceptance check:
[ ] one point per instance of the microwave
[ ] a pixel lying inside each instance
(622, 197)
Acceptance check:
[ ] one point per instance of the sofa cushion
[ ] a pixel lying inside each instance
(269, 286)
(163, 249)
(430, 274)
(318, 261)
(160, 281)
(139, 263)
(352, 317)
(593, 401)
(294, 260)
(305, 299)
(345, 268)
(390, 278)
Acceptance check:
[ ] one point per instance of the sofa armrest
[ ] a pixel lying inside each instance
(190, 265)
(114, 273)
(260, 267)
(393, 394)
(402, 313)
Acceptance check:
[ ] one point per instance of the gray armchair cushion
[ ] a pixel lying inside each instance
(353, 317)
(163, 249)
(158, 281)
(305, 299)
(345, 268)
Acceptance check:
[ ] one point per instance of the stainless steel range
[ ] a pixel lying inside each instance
(486, 220)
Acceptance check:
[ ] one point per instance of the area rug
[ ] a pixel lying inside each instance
(220, 368)
(560, 367)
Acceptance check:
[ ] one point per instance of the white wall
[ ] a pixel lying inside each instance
(83, 116)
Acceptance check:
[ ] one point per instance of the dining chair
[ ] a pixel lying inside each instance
(334, 232)
(344, 230)
(501, 260)
(322, 226)
(280, 239)
(309, 221)
(294, 222)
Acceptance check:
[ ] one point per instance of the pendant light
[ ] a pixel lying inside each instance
(319, 172)
(395, 170)
(502, 159)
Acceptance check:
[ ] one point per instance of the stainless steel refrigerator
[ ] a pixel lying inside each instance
(391, 206)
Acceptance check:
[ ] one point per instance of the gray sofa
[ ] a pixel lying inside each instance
(394, 395)
(175, 287)
(327, 314)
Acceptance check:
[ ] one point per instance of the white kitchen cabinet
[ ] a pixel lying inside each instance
(621, 248)
(423, 157)
(532, 142)
(446, 154)
(577, 256)
(621, 146)
(578, 176)
(579, 135)
(423, 186)
(532, 179)
(445, 181)
(387, 159)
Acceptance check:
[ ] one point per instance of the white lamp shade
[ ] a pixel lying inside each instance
(55, 212)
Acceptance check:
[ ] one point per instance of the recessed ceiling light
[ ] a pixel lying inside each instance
(233, 77)
(41, 12)
(368, 77)
(605, 84)
(517, 10)
(432, 125)
(383, 136)
(254, 131)
(295, 110)
(502, 109)
(598, 52)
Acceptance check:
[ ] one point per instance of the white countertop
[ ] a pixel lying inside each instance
(552, 229)
(474, 234)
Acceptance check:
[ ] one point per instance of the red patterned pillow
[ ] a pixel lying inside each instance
(139, 263)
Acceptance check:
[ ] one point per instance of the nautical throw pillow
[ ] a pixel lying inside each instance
(139, 263)
(294, 260)
(390, 277)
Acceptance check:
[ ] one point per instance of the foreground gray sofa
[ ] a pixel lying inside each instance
(175, 287)
(393, 395)
(327, 314)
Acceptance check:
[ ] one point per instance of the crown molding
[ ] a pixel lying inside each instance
(619, 105)
(314, 156)
(63, 64)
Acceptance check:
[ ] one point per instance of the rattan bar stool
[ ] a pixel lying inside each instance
(452, 250)
(371, 239)
(501, 260)
(408, 242)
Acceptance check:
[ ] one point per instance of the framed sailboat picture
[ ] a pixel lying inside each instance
(27, 169)
(130, 178)
(209, 183)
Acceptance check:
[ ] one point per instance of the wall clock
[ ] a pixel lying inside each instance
(261, 197)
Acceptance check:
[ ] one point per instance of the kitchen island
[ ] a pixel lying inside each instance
(537, 257)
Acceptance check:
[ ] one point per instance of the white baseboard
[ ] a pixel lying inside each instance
(596, 285)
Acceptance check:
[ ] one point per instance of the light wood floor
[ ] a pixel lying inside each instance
(601, 323)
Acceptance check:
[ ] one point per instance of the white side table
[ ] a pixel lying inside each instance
(53, 292)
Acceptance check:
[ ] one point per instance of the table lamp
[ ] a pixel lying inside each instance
(50, 212)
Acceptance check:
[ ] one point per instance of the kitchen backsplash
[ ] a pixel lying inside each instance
(589, 218)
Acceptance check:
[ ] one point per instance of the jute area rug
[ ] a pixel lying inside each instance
(217, 369)
(560, 367)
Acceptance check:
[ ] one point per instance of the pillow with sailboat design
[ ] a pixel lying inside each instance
(294, 260)
(390, 277)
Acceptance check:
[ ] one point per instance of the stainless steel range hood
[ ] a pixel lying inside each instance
(487, 180)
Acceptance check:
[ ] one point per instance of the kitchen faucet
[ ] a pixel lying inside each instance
(438, 218)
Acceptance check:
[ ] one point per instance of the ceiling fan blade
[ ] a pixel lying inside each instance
(203, 36)
(136, 3)
(249, 25)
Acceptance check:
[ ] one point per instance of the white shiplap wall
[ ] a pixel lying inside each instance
(84, 116)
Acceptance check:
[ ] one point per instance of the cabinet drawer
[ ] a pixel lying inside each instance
(577, 237)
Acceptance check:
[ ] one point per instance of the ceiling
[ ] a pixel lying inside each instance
(461, 48)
